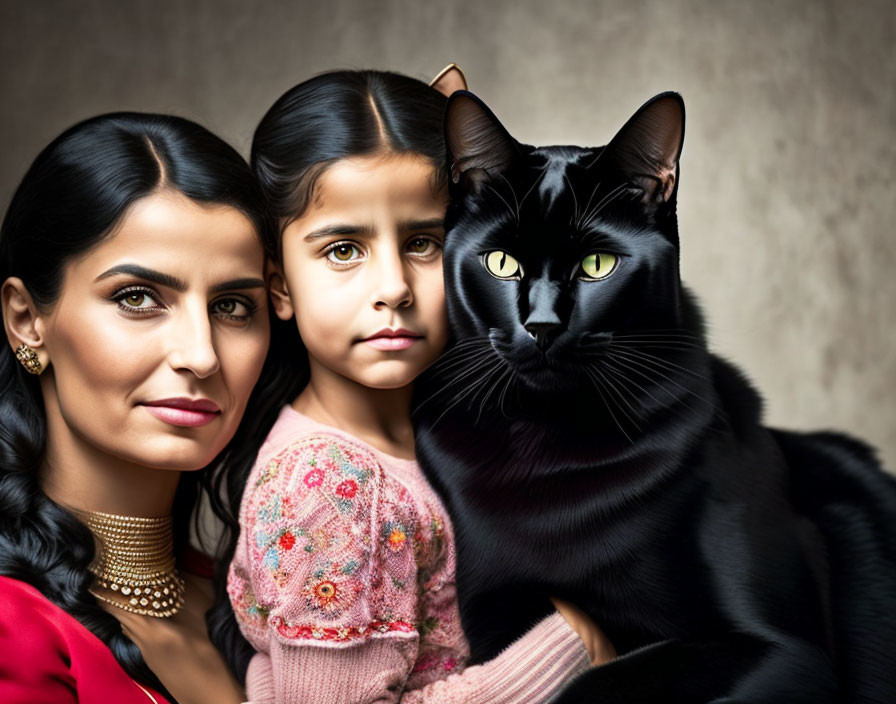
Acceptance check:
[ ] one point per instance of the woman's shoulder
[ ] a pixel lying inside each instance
(24, 608)
(46, 655)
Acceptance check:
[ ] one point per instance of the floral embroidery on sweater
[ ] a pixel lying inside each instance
(333, 550)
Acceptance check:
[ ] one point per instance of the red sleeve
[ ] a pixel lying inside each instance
(35, 665)
(48, 657)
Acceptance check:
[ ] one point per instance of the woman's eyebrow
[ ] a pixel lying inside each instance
(248, 282)
(331, 230)
(156, 277)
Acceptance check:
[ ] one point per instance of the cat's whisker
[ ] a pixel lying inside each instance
(532, 187)
(459, 360)
(471, 389)
(587, 205)
(515, 200)
(659, 333)
(510, 379)
(624, 378)
(493, 386)
(477, 367)
(605, 201)
(575, 201)
(658, 338)
(672, 407)
(620, 395)
(503, 200)
(597, 385)
(645, 356)
(627, 365)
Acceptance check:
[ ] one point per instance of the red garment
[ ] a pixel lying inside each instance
(48, 657)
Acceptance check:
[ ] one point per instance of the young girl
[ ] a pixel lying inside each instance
(343, 574)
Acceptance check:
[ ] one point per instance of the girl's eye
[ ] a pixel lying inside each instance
(136, 300)
(422, 246)
(343, 252)
(233, 309)
(598, 266)
(503, 266)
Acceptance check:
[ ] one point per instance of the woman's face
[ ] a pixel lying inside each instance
(363, 271)
(158, 336)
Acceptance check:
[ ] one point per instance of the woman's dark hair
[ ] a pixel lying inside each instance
(329, 117)
(73, 196)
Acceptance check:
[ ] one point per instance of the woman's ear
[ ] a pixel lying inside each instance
(449, 79)
(278, 291)
(21, 320)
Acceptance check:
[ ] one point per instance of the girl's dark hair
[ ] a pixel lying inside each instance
(73, 196)
(329, 117)
(338, 115)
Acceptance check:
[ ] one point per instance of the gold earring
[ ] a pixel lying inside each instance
(29, 360)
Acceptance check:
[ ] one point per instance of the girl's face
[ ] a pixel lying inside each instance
(362, 269)
(158, 336)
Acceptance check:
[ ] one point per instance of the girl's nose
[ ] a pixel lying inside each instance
(393, 288)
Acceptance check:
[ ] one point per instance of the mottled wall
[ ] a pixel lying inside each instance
(789, 166)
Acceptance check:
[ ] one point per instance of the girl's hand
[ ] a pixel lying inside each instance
(596, 643)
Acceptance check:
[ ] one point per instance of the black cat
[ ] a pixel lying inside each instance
(588, 447)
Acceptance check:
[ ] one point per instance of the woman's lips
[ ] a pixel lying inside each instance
(185, 412)
(388, 340)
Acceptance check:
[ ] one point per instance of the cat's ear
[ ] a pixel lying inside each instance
(647, 148)
(449, 79)
(478, 146)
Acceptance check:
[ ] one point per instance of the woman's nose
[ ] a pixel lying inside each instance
(192, 347)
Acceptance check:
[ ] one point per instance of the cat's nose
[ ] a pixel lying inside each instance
(543, 333)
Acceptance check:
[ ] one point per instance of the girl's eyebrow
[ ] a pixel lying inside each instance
(367, 230)
(330, 230)
(422, 224)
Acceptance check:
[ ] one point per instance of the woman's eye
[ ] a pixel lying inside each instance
(502, 265)
(136, 300)
(342, 252)
(598, 266)
(233, 308)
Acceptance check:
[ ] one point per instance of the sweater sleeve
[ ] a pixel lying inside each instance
(532, 670)
(309, 593)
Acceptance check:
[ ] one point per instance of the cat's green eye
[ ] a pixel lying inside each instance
(502, 265)
(598, 266)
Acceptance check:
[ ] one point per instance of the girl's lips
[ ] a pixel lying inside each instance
(389, 340)
(184, 412)
(391, 343)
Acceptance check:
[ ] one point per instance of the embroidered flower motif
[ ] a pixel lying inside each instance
(347, 489)
(271, 511)
(272, 559)
(314, 478)
(397, 539)
(287, 540)
(326, 594)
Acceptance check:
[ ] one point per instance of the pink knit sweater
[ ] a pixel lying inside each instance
(343, 580)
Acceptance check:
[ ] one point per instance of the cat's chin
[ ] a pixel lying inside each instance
(546, 381)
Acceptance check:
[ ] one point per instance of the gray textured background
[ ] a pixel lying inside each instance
(786, 202)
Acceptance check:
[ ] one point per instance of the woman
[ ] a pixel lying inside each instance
(132, 263)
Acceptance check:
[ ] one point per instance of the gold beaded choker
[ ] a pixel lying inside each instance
(135, 559)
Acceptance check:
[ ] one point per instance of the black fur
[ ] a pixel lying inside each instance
(589, 447)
